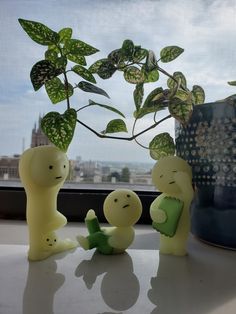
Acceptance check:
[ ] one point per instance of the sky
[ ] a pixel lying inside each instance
(204, 28)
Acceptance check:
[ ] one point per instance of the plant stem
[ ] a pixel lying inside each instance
(133, 137)
(170, 76)
(66, 89)
(65, 80)
(89, 105)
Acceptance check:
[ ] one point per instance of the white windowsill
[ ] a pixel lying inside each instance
(140, 282)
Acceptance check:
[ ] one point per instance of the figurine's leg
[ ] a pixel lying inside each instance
(49, 245)
(165, 245)
(58, 221)
(66, 244)
(38, 255)
(83, 241)
(97, 240)
(180, 247)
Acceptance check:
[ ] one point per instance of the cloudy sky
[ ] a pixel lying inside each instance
(204, 28)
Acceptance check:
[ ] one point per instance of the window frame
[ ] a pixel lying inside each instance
(73, 203)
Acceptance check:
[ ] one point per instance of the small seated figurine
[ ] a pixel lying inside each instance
(43, 171)
(170, 211)
(122, 209)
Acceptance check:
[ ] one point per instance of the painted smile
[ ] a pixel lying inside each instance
(59, 177)
(171, 182)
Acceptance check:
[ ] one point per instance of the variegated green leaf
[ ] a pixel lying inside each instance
(178, 77)
(198, 95)
(151, 76)
(151, 62)
(154, 96)
(155, 101)
(115, 126)
(162, 145)
(60, 63)
(92, 103)
(54, 47)
(127, 49)
(232, 83)
(133, 75)
(116, 56)
(90, 88)
(170, 53)
(106, 70)
(181, 110)
(84, 73)
(75, 46)
(96, 65)
(76, 59)
(183, 95)
(138, 114)
(138, 96)
(42, 72)
(51, 55)
(39, 32)
(56, 90)
(65, 33)
(59, 128)
(139, 54)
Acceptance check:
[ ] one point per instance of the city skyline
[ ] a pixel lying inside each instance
(205, 29)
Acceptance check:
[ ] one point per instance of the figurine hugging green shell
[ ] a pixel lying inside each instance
(170, 211)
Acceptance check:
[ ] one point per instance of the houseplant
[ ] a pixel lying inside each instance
(139, 66)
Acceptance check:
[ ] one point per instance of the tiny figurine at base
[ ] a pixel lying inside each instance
(172, 176)
(122, 209)
(43, 170)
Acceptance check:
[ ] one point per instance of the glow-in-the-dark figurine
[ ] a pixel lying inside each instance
(170, 211)
(122, 209)
(43, 171)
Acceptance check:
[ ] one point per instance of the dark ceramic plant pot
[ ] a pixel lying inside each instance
(208, 143)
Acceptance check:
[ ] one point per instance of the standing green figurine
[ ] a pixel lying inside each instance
(122, 209)
(170, 211)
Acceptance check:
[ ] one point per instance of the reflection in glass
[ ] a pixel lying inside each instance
(120, 286)
(42, 283)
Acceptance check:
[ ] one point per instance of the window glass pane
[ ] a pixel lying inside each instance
(205, 29)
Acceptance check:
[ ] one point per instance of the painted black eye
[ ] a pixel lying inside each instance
(47, 240)
(64, 166)
(115, 200)
(50, 167)
(55, 240)
(128, 195)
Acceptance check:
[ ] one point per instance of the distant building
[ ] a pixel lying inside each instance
(38, 138)
(9, 167)
(9, 164)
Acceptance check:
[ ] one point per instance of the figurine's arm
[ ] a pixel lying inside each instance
(92, 222)
(157, 215)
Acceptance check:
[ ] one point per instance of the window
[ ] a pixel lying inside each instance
(205, 29)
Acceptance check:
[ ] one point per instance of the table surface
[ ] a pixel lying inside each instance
(140, 282)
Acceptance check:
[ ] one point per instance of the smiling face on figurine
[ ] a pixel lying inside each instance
(122, 208)
(164, 171)
(49, 166)
(49, 240)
